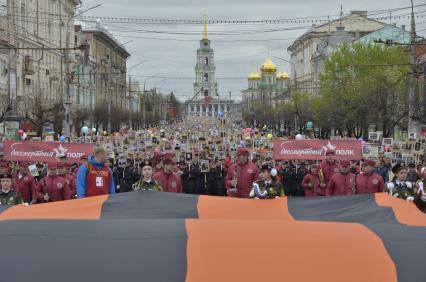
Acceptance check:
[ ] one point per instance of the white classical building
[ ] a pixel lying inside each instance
(307, 51)
(40, 71)
(206, 100)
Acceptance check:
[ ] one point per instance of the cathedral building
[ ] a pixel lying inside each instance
(206, 100)
(265, 87)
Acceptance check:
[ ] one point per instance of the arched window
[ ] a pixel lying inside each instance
(206, 92)
(206, 77)
(206, 61)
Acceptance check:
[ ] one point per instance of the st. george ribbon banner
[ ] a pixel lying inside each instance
(316, 149)
(32, 151)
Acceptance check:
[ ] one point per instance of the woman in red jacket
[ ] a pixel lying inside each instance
(311, 182)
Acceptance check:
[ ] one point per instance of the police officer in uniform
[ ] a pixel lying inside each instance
(8, 195)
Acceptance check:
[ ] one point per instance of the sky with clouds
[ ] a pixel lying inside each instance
(170, 49)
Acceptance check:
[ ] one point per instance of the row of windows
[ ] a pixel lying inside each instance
(196, 108)
(205, 61)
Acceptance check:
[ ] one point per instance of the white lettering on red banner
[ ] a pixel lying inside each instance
(316, 149)
(45, 151)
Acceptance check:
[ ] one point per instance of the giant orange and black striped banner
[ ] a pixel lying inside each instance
(154, 236)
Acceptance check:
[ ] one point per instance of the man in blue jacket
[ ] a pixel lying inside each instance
(95, 178)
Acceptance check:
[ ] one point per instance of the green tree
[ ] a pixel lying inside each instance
(363, 85)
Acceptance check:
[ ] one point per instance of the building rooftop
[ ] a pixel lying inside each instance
(97, 27)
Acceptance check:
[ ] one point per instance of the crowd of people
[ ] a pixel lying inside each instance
(238, 174)
(236, 177)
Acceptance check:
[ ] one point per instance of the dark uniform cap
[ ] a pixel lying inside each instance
(7, 173)
(397, 168)
(146, 163)
(267, 167)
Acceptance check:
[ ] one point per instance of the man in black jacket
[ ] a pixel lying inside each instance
(124, 176)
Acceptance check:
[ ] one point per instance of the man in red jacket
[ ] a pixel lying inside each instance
(53, 188)
(169, 181)
(25, 183)
(311, 182)
(157, 160)
(240, 177)
(64, 170)
(368, 181)
(328, 167)
(343, 182)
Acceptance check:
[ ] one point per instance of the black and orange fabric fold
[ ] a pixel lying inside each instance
(153, 236)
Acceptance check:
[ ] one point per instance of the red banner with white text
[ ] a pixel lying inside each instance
(315, 149)
(32, 151)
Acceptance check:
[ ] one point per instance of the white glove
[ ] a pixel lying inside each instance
(252, 193)
(395, 195)
(274, 172)
(409, 184)
(390, 186)
(410, 199)
(233, 190)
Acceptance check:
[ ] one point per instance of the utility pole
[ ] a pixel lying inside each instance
(11, 120)
(109, 89)
(68, 110)
(130, 101)
(412, 124)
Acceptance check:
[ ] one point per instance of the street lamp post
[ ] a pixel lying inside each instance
(294, 68)
(160, 83)
(130, 91)
(143, 98)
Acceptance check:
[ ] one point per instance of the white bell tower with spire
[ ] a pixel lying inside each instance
(205, 81)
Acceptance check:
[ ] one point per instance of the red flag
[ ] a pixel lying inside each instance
(163, 106)
(172, 110)
(207, 101)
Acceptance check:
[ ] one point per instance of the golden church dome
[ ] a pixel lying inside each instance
(268, 66)
(250, 76)
(283, 76)
(257, 75)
